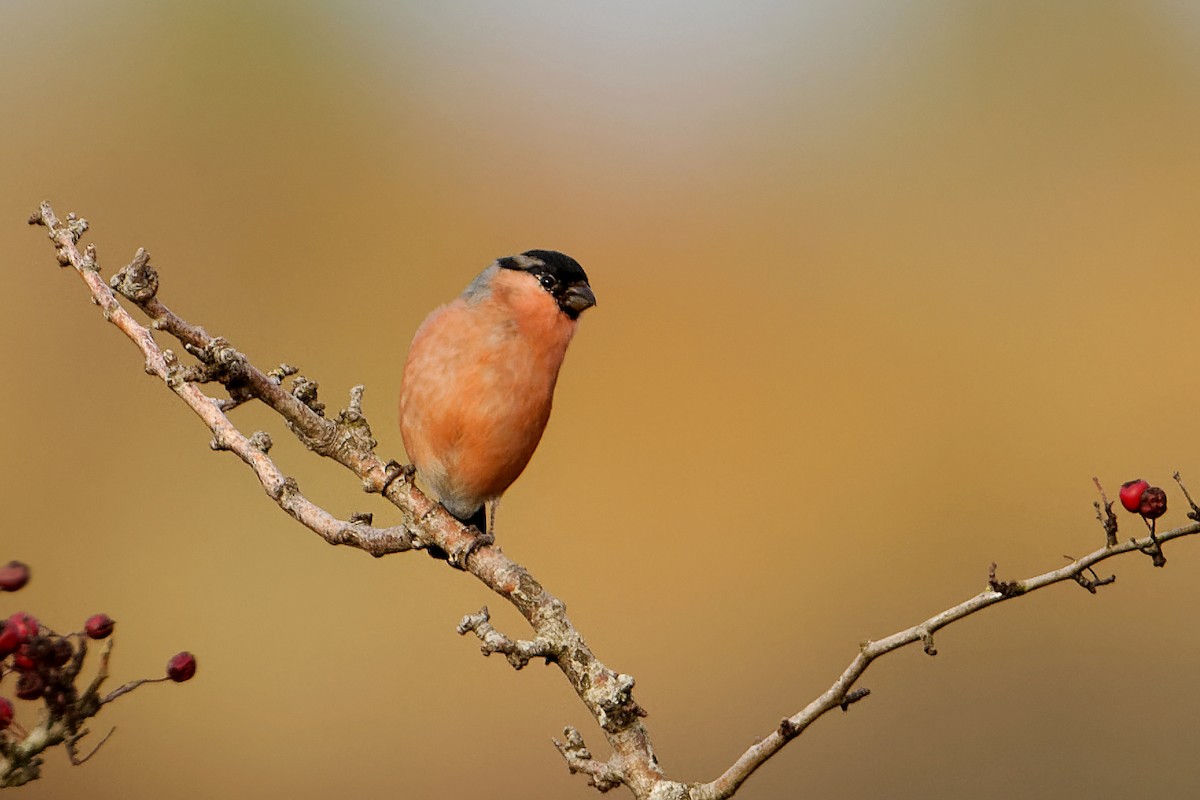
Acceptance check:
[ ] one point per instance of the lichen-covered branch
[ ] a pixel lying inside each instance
(182, 380)
(424, 524)
(347, 440)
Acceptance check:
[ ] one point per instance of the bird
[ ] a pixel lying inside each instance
(478, 382)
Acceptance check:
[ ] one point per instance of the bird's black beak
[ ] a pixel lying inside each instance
(577, 298)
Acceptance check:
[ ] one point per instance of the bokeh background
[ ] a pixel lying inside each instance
(882, 286)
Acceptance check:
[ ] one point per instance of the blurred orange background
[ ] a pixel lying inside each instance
(881, 287)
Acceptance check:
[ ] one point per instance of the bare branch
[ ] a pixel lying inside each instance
(165, 364)
(840, 691)
(347, 439)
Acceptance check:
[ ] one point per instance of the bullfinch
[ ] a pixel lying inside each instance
(479, 379)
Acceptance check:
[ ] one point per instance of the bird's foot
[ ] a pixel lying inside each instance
(459, 554)
(395, 470)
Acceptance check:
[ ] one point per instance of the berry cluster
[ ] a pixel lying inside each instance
(1139, 497)
(46, 666)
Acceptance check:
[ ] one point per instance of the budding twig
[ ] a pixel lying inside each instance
(1109, 520)
(1195, 512)
(601, 774)
(518, 651)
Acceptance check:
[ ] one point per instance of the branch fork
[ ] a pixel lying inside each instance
(519, 652)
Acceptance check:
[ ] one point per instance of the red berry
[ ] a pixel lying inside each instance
(181, 667)
(25, 625)
(1154, 503)
(1131, 494)
(13, 576)
(6, 712)
(98, 626)
(30, 686)
(24, 660)
(9, 640)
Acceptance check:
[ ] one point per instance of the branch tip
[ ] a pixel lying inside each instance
(277, 375)
(89, 259)
(1108, 520)
(1194, 514)
(305, 391)
(470, 622)
(261, 441)
(71, 742)
(601, 774)
(853, 697)
(137, 280)
(1094, 582)
(356, 397)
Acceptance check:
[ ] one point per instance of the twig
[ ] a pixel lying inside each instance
(1195, 512)
(1108, 520)
(832, 698)
(601, 774)
(517, 651)
(75, 758)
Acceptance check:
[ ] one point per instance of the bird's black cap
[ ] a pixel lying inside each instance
(560, 265)
(559, 274)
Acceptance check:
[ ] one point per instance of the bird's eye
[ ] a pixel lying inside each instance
(547, 281)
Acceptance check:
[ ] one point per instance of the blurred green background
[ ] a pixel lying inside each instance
(881, 287)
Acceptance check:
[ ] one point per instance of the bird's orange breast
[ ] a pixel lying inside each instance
(478, 386)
